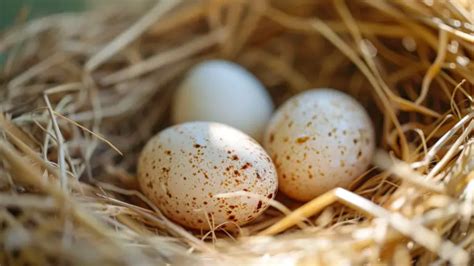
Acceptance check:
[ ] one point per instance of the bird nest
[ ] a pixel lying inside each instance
(81, 94)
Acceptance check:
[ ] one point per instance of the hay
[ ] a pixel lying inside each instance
(81, 94)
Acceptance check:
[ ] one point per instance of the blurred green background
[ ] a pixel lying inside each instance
(12, 10)
(17, 11)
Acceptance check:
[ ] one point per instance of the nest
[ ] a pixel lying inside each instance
(82, 93)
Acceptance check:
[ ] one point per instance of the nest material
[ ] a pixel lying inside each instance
(82, 93)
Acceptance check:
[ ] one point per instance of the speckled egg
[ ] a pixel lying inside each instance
(185, 166)
(224, 92)
(319, 139)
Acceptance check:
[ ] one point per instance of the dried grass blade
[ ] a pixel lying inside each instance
(163, 59)
(160, 9)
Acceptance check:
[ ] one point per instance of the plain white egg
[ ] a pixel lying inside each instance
(319, 139)
(184, 167)
(224, 92)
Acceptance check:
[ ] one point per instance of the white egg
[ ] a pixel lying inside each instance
(224, 92)
(184, 167)
(319, 139)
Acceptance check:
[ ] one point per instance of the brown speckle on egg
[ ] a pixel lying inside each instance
(302, 140)
(246, 165)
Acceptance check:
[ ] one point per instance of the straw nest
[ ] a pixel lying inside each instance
(82, 93)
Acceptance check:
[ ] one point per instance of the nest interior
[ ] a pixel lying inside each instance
(81, 94)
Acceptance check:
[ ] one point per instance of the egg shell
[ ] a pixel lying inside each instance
(184, 167)
(319, 139)
(224, 92)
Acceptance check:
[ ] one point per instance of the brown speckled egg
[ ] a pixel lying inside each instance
(319, 139)
(184, 167)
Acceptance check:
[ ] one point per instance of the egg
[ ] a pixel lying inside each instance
(319, 139)
(184, 167)
(224, 92)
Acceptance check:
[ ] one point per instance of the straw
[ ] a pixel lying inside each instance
(80, 95)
